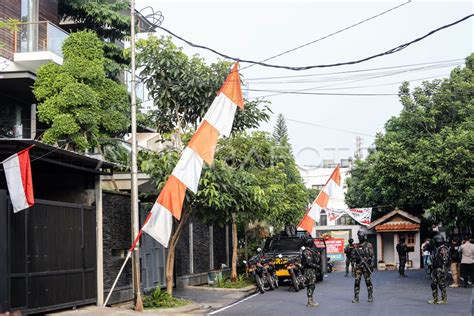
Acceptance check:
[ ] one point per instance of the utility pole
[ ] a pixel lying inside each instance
(134, 169)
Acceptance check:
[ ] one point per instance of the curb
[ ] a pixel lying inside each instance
(174, 310)
(208, 288)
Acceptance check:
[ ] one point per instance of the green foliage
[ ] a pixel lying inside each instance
(76, 99)
(280, 131)
(423, 162)
(184, 87)
(10, 25)
(160, 299)
(109, 19)
(242, 281)
(274, 170)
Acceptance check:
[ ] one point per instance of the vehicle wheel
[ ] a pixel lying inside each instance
(294, 281)
(259, 282)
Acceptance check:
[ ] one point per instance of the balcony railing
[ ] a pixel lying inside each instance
(38, 37)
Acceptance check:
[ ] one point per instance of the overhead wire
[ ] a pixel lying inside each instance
(300, 68)
(332, 34)
(358, 70)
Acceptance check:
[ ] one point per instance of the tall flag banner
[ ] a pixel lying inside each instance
(331, 189)
(331, 200)
(19, 180)
(201, 148)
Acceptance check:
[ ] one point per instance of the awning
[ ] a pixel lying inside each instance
(55, 155)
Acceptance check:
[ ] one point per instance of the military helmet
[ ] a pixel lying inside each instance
(308, 241)
(438, 239)
(361, 235)
(351, 240)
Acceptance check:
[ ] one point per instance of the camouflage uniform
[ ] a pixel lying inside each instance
(348, 252)
(310, 260)
(363, 252)
(438, 274)
(402, 250)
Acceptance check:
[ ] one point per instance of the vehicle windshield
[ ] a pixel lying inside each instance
(284, 244)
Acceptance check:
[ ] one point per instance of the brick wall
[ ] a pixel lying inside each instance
(201, 248)
(116, 237)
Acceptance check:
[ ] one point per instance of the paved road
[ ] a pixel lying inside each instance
(392, 296)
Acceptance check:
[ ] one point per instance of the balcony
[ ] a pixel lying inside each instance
(36, 43)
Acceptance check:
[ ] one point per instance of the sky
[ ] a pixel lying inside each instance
(326, 126)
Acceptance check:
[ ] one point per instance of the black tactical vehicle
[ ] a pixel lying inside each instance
(288, 244)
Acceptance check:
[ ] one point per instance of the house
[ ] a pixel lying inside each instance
(61, 251)
(389, 229)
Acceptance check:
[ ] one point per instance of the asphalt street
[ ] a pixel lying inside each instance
(393, 295)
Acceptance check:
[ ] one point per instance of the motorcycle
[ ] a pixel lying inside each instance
(263, 279)
(295, 269)
(269, 264)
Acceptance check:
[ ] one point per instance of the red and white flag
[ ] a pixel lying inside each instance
(19, 182)
(187, 172)
(331, 189)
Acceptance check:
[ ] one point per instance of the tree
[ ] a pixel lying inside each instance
(183, 88)
(423, 162)
(76, 100)
(109, 19)
(280, 131)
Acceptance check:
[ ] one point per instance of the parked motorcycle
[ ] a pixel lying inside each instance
(259, 269)
(295, 269)
(269, 264)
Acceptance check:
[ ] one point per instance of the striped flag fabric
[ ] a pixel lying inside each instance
(331, 190)
(217, 121)
(17, 169)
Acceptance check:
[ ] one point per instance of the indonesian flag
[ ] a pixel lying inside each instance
(186, 174)
(20, 185)
(331, 189)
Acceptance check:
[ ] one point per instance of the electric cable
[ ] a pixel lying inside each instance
(332, 34)
(300, 68)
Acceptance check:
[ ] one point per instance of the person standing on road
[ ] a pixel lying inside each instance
(455, 255)
(439, 271)
(363, 257)
(467, 261)
(311, 260)
(425, 249)
(402, 250)
(348, 252)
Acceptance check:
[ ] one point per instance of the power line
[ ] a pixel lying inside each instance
(361, 76)
(359, 70)
(300, 68)
(335, 84)
(331, 34)
(326, 127)
(326, 93)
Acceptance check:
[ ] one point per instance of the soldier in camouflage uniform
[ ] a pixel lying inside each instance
(311, 260)
(439, 271)
(348, 252)
(363, 252)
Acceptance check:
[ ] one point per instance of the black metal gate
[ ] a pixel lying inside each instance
(50, 256)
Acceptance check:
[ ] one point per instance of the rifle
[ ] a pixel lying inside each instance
(366, 265)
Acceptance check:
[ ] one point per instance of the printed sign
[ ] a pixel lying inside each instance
(361, 215)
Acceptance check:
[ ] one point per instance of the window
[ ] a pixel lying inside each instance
(345, 220)
(323, 219)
